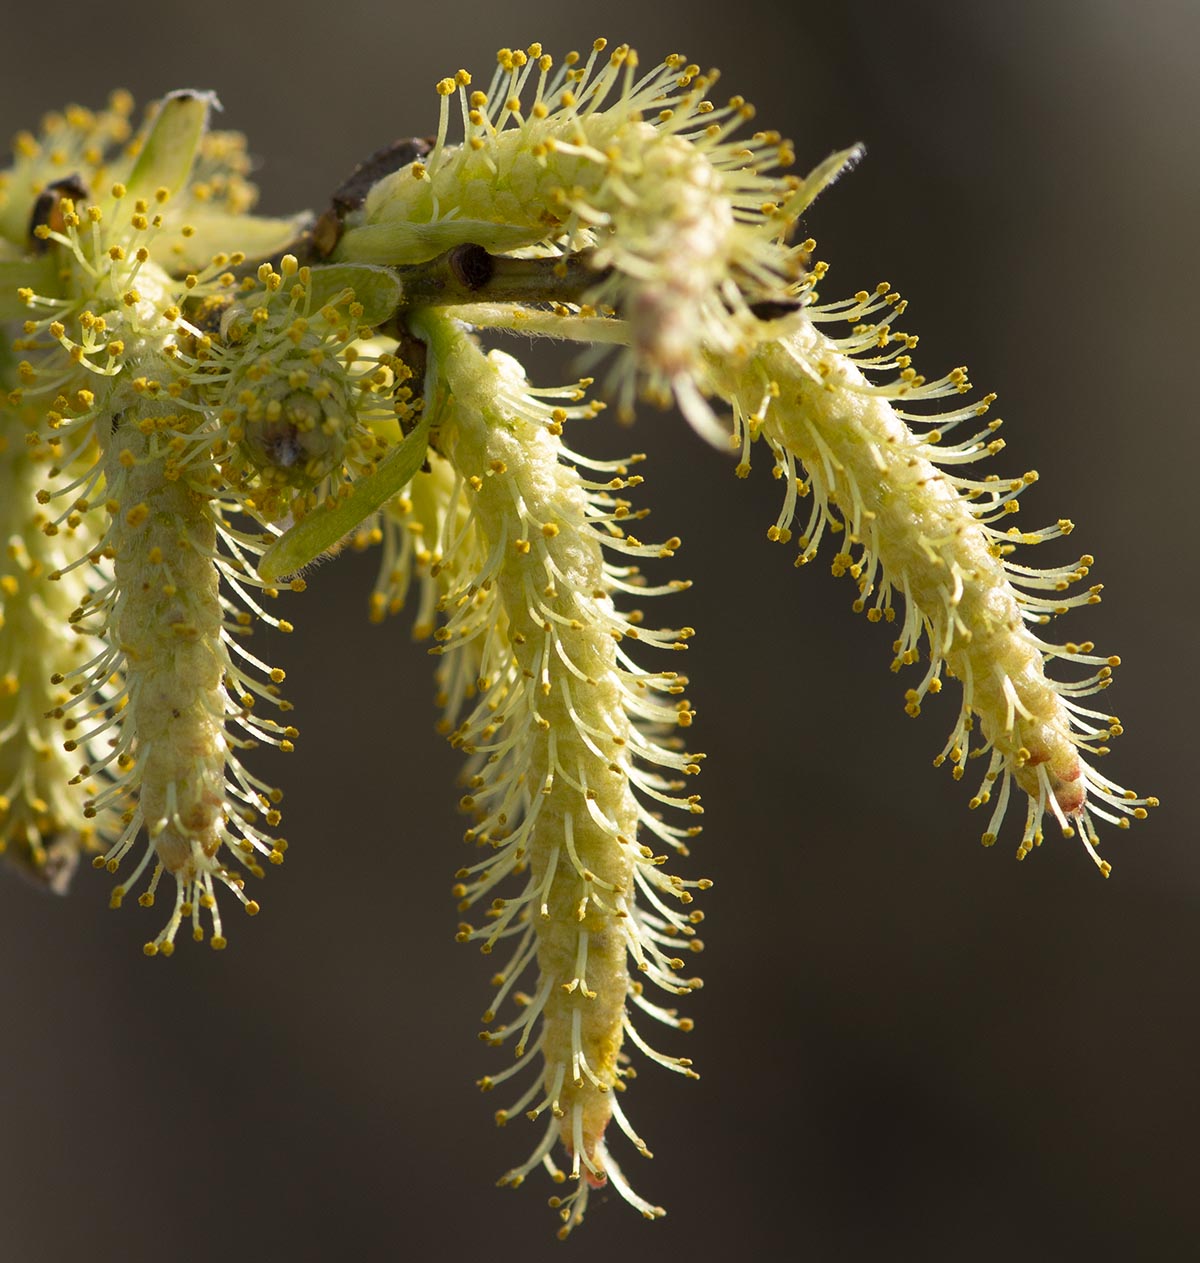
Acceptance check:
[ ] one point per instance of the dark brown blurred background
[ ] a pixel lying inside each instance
(910, 1047)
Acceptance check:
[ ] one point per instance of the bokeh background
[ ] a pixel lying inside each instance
(911, 1047)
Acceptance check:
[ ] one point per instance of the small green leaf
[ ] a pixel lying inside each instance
(169, 149)
(377, 289)
(216, 230)
(323, 527)
(402, 242)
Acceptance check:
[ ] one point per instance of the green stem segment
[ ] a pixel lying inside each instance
(469, 274)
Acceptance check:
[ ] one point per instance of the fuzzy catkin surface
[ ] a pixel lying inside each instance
(548, 492)
(930, 545)
(169, 626)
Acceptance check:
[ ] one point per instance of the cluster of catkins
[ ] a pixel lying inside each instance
(195, 402)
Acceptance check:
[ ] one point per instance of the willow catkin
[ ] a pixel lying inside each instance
(43, 829)
(185, 700)
(917, 528)
(559, 760)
